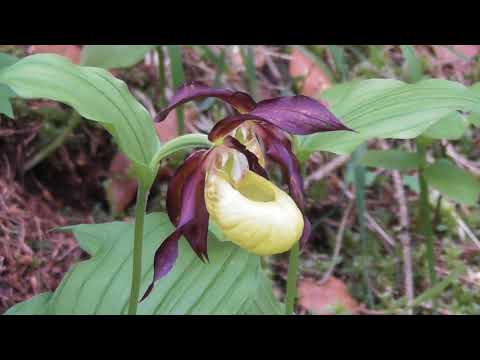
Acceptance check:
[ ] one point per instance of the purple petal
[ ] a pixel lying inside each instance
(187, 210)
(239, 100)
(280, 151)
(295, 114)
(230, 123)
(164, 259)
(175, 186)
(251, 157)
(194, 213)
(298, 115)
(307, 229)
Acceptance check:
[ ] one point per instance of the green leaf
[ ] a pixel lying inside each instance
(5, 92)
(7, 60)
(231, 283)
(34, 306)
(450, 127)
(391, 159)
(474, 119)
(5, 106)
(248, 56)
(178, 75)
(453, 182)
(385, 108)
(414, 65)
(349, 178)
(339, 60)
(95, 94)
(113, 56)
(411, 181)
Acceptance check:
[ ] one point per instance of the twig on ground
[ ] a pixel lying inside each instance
(338, 243)
(460, 160)
(371, 223)
(404, 237)
(326, 169)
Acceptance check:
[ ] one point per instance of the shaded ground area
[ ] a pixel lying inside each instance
(61, 191)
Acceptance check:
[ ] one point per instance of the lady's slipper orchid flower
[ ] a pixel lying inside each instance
(228, 183)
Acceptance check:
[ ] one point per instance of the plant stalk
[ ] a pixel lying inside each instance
(359, 180)
(142, 195)
(292, 279)
(424, 216)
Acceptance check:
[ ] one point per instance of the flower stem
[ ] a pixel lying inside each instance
(359, 180)
(292, 279)
(424, 216)
(179, 143)
(142, 195)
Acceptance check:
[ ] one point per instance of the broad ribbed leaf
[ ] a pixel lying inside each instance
(35, 306)
(5, 106)
(7, 60)
(391, 159)
(453, 182)
(450, 127)
(5, 92)
(384, 108)
(113, 56)
(474, 119)
(94, 93)
(232, 283)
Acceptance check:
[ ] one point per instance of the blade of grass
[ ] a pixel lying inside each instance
(424, 211)
(339, 60)
(248, 56)
(292, 280)
(432, 293)
(161, 77)
(178, 79)
(359, 181)
(221, 68)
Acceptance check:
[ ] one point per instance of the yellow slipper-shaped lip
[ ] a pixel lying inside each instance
(254, 214)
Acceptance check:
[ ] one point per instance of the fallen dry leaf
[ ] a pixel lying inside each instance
(167, 129)
(444, 55)
(324, 299)
(314, 79)
(121, 188)
(70, 51)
